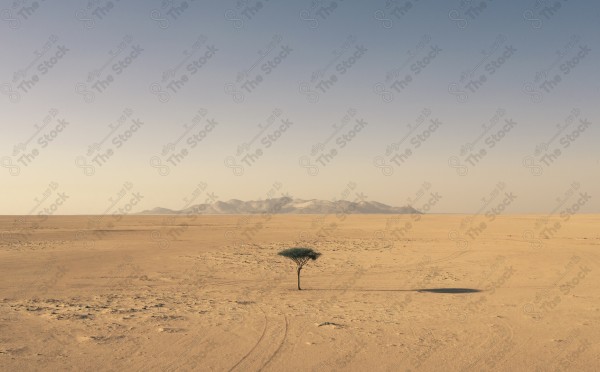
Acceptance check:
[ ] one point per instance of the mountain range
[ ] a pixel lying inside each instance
(287, 205)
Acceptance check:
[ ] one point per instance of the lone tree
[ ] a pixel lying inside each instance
(300, 256)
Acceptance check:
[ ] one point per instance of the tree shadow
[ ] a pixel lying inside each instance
(449, 290)
(430, 290)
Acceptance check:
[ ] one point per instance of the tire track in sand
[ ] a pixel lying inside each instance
(267, 346)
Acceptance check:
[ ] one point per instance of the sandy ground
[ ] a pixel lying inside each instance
(389, 293)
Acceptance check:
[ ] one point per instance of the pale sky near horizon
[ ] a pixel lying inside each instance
(131, 105)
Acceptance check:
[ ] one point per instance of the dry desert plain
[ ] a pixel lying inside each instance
(389, 293)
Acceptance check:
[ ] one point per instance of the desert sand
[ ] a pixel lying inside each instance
(389, 293)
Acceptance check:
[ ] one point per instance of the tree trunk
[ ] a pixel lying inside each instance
(299, 278)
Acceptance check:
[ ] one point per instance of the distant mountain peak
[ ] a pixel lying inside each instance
(287, 205)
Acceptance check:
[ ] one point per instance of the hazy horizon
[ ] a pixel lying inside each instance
(167, 104)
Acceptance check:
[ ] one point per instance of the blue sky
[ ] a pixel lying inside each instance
(327, 90)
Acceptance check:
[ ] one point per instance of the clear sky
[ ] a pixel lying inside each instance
(111, 106)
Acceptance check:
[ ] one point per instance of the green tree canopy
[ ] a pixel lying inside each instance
(300, 255)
